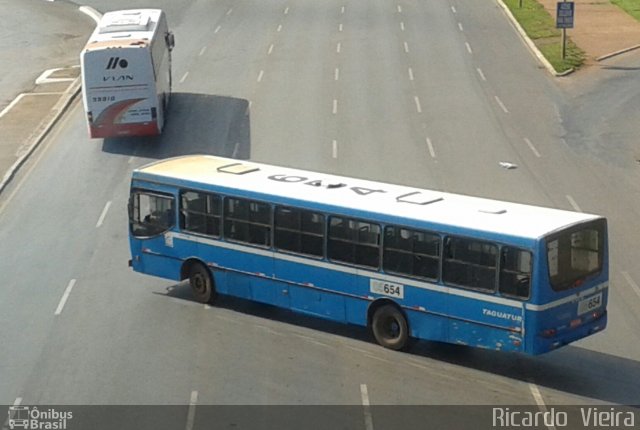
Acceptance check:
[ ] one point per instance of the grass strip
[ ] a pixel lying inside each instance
(541, 29)
(632, 7)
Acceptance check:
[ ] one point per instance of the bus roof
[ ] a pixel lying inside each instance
(125, 25)
(446, 209)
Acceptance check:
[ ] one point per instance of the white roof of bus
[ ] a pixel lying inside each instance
(126, 24)
(476, 213)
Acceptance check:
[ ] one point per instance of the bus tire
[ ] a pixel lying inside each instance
(390, 328)
(202, 283)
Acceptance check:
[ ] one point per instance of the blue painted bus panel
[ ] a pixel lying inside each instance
(473, 334)
(482, 323)
(315, 302)
(424, 325)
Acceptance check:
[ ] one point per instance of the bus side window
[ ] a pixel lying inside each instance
(470, 263)
(247, 221)
(515, 272)
(353, 241)
(200, 212)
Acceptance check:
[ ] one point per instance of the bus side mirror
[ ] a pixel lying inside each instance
(171, 40)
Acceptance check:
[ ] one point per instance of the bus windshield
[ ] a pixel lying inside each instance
(575, 253)
(150, 213)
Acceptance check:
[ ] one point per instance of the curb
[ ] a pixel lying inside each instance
(56, 113)
(58, 109)
(622, 51)
(530, 43)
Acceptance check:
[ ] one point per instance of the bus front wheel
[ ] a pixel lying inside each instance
(202, 283)
(390, 327)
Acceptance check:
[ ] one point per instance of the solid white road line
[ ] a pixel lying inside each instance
(631, 282)
(12, 104)
(103, 214)
(191, 414)
(65, 296)
(502, 106)
(432, 152)
(535, 392)
(468, 47)
(91, 12)
(368, 419)
(573, 203)
(532, 148)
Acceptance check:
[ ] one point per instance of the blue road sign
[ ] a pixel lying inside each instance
(564, 14)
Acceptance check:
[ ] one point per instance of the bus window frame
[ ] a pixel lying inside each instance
(182, 215)
(493, 291)
(355, 243)
(600, 225)
(438, 257)
(269, 225)
(135, 193)
(500, 271)
(323, 236)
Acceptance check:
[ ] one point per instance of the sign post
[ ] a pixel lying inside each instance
(564, 19)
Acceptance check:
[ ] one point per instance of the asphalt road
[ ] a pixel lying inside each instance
(430, 94)
(55, 36)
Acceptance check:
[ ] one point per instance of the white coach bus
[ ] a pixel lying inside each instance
(126, 73)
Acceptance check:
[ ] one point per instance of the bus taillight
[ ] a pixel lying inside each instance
(550, 332)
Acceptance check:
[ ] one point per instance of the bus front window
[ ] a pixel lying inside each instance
(575, 254)
(150, 214)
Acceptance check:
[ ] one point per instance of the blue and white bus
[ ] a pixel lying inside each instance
(406, 262)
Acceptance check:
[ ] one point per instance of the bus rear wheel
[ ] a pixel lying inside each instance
(202, 283)
(390, 327)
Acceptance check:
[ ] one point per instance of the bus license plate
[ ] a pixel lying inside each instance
(386, 288)
(589, 304)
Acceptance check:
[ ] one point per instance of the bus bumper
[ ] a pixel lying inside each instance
(546, 344)
(118, 130)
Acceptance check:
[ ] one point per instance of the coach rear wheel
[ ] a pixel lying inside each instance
(390, 327)
(202, 283)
